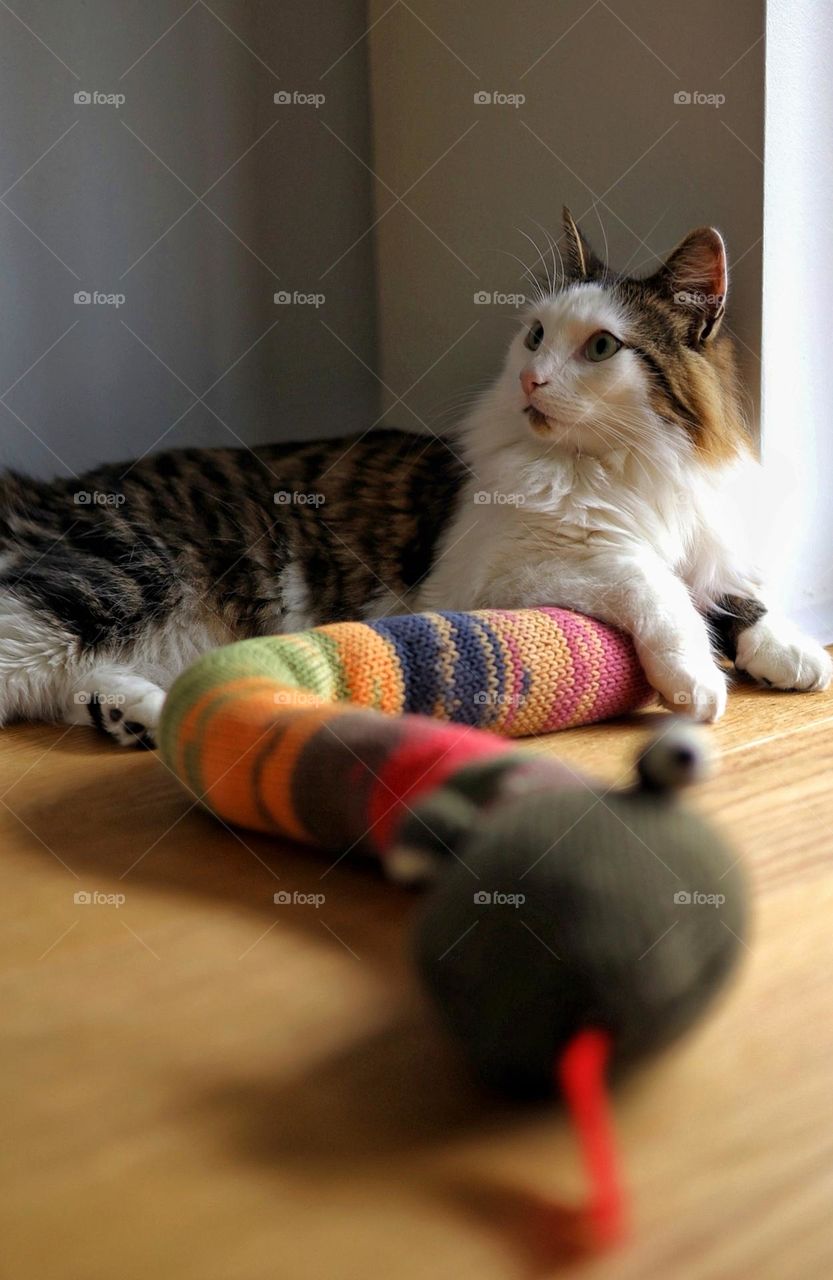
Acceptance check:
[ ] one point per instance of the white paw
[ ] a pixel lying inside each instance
(695, 689)
(777, 654)
(125, 707)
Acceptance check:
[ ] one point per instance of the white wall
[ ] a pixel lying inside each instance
(797, 438)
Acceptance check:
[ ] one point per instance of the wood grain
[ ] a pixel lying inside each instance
(201, 1084)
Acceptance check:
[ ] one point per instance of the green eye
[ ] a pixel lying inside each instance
(535, 336)
(601, 346)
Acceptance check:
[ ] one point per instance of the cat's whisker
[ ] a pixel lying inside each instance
(541, 258)
(559, 273)
(533, 279)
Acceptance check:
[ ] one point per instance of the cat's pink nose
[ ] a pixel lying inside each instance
(530, 380)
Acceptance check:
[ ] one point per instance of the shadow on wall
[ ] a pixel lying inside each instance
(167, 175)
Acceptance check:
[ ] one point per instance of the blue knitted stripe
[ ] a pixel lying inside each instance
(418, 647)
(471, 676)
(490, 640)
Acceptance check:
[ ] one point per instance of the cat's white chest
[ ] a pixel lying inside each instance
(567, 512)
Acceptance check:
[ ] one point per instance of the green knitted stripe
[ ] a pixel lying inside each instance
(308, 660)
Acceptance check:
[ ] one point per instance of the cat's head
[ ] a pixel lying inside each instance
(608, 361)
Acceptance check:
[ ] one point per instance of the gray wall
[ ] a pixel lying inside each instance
(85, 215)
(91, 207)
(599, 92)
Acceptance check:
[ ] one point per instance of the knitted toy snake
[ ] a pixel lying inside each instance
(570, 929)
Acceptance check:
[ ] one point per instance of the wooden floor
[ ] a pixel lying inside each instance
(199, 1085)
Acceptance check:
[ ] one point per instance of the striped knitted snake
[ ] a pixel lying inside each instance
(231, 727)
(573, 927)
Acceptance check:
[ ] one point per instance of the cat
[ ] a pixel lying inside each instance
(608, 458)
(593, 474)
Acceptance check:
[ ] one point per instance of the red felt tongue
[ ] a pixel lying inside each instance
(580, 1073)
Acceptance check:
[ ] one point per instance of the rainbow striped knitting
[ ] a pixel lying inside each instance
(266, 732)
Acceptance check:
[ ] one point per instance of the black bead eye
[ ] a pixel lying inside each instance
(535, 336)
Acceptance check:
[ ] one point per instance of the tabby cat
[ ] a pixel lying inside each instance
(593, 474)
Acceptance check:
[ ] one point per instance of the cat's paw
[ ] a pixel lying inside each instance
(126, 708)
(695, 689)
(777, 654)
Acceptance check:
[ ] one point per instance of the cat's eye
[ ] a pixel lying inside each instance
(534, 336)
(601, 346)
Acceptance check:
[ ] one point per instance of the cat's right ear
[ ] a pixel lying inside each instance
(695, 276)
(580, 260)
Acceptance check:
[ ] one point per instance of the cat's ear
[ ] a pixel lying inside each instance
(695, 277)
(581, 261)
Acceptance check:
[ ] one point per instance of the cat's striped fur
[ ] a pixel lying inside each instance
(143, 566)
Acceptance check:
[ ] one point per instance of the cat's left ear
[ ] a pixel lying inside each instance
(696, 278)
(581, 260)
